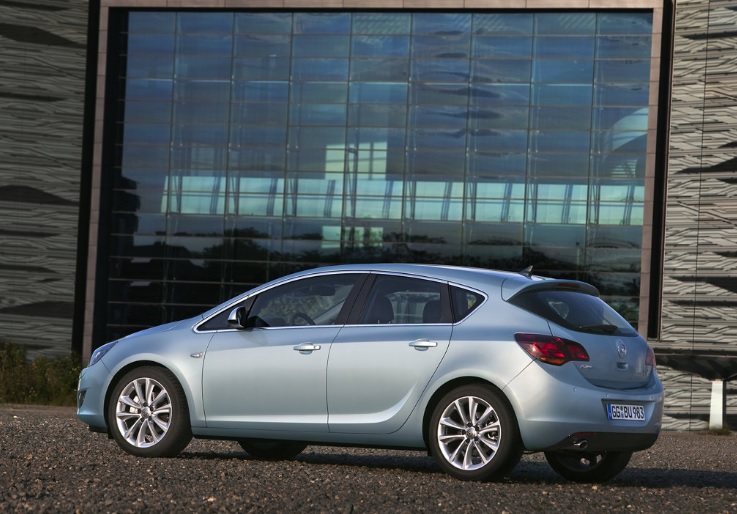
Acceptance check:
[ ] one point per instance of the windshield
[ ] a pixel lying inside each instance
(575, 311)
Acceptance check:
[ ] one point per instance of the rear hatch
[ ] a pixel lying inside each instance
(619, 358)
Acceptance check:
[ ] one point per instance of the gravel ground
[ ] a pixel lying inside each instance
(49, 462)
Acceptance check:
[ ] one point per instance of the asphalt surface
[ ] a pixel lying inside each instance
(49, 462)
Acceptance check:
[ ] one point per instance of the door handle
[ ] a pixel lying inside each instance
(423, 344)
(307, 348)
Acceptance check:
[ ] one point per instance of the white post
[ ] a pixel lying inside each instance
(718, 410)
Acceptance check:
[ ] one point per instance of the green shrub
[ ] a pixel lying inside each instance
(41, 381)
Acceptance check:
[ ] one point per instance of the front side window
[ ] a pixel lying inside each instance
(403, 300)
(310, 301)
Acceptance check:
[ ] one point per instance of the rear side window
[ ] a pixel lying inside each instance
(402, 301)
(575, 311)
(464, 302)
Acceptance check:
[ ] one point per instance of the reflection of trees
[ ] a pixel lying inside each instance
(184, 282)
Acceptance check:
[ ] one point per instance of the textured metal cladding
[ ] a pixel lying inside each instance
(37, 36)
(700, 263)
(42, 72)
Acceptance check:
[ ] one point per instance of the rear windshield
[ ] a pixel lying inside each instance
(575, 311)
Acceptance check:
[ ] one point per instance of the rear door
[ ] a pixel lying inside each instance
(380, 364)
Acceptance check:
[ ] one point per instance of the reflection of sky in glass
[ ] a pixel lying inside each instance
(410, 136)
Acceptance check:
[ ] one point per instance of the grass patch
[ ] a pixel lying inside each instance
(721, 431)
(40, 381)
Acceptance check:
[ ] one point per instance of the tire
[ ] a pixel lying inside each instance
(148, 413)
(271, 450)
(473, 434)
(588, 467)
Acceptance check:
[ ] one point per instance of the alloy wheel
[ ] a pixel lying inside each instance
(143, 412)
(469, 433)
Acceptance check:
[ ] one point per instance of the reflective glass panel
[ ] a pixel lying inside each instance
(502, 47)
(569, 23)
(569, 47)
(320, 46)
(508, 71)
(322, 23)
(205, 44)
(213, 23)
(380, 46)
(246, 145)
(149, 22)
(147, 66)
(382, 23)
(507, 23)
(202, 90)
(263, 23)
(267, 46)
(151, 44)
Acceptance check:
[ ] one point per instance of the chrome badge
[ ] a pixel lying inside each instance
(621, 349)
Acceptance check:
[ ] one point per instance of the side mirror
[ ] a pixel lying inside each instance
(237, 318)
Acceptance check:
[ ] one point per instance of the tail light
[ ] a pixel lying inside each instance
(551, 350)
(650, 359)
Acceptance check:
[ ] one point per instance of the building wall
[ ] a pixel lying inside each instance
(42, 79)
(699, 308)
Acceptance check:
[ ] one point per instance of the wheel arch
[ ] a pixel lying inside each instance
(449, 386)
(121, 372)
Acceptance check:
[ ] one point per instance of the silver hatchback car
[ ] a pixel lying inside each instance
(475, 366)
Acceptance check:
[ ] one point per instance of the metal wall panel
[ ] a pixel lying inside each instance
(42, 79)
(699, 311)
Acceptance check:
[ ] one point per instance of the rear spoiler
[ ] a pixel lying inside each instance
(512, 288)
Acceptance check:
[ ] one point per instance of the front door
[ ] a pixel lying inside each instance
(271, 374)
(260, 379)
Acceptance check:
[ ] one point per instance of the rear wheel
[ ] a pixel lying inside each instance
(271, 450)
(588, 467)
(148, 414)
(474, 435)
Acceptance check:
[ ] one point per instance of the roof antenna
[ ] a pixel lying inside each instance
(527, 272)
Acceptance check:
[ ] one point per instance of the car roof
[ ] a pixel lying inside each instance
(512, 283)
(460, 274)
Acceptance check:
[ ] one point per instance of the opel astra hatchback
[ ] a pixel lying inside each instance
(474, 366)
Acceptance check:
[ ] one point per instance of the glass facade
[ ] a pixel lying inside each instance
(247, 145)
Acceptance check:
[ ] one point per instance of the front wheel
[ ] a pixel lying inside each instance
(271, 450)
(148, 414)
(588, 467)
(474, 435)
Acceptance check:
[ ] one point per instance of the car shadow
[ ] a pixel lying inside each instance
(405, 461)
(526, 472)
(633, 476)
(414, 461)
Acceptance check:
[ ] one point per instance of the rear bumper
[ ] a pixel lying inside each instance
(557, 408)
(588, 442)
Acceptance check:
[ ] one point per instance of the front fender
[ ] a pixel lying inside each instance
(181, 352)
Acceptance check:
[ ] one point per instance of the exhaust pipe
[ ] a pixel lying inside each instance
(581, 444)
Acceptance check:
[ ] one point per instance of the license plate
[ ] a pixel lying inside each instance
(620, 411)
